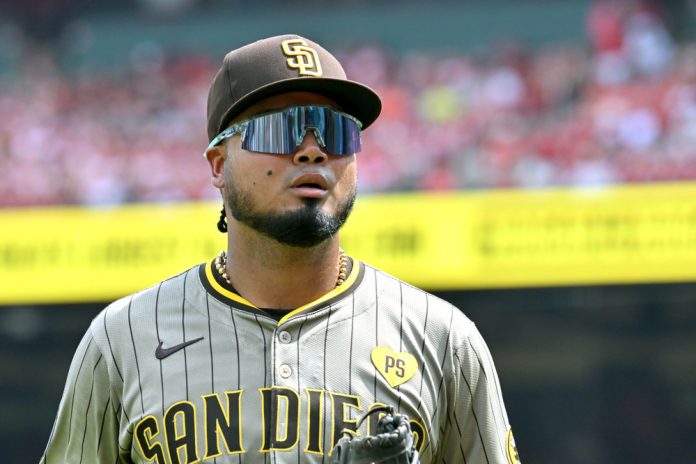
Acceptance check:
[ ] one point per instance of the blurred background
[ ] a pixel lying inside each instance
(542, 154)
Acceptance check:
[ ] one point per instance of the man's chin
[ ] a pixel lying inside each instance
(295, 241)
(305, 231)
(309, 207)
(305, 225)
(311, 202)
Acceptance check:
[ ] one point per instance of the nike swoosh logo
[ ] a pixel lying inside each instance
(162, 353)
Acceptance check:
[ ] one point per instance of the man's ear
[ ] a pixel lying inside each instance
(216, 160)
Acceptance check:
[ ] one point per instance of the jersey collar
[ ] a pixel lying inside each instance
(224, 292)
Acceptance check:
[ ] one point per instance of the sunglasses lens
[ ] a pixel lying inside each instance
(341, 134)
(270, 133)
(282, 132)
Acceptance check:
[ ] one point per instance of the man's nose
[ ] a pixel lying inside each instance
(309, 151)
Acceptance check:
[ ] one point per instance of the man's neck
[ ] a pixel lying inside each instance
(271, 275)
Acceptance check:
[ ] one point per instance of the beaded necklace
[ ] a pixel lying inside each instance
(221, 262)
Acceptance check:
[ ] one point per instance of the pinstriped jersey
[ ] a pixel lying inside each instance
(189, 371)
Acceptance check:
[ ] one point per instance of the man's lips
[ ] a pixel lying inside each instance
(310, 185)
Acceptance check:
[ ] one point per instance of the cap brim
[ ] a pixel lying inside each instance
(354, 98)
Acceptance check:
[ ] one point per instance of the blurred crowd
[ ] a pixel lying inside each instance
(620, 108)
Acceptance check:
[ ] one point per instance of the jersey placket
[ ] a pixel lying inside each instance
(284, 398)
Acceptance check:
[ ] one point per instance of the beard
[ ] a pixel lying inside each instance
(304, 227)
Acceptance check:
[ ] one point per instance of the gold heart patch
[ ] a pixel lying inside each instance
(397, 368)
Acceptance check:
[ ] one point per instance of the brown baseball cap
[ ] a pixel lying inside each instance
(285, 63)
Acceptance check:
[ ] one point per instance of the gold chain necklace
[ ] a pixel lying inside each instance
(221, 266)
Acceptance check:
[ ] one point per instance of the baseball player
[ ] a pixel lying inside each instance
(277, 347)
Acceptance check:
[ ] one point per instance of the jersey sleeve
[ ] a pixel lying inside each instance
(86, 426)
(477, 431)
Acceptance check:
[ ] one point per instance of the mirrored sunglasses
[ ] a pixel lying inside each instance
(282, 132)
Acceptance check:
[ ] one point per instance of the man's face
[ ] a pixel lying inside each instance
(301, 199)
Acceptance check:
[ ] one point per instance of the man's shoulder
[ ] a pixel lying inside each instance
(121, 312)
(383, 279)
(410, 296)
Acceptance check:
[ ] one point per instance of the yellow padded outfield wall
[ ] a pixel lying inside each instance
(489, 239)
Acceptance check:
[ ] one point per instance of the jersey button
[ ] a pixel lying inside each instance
(285, 337)
(285, 371)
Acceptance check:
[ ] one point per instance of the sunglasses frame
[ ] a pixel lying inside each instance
(241, 128)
